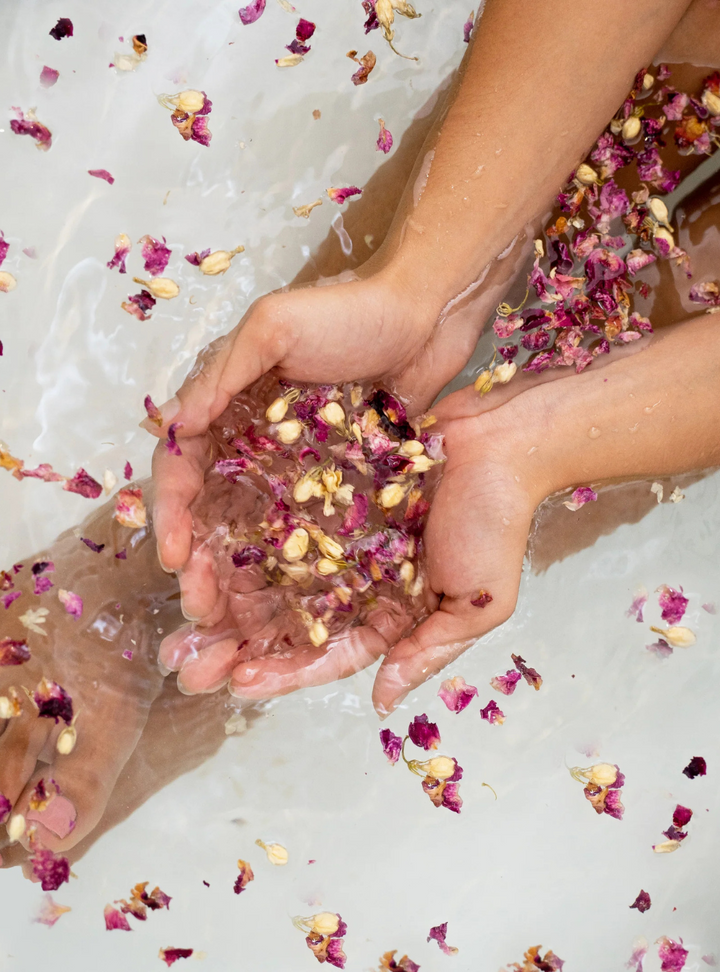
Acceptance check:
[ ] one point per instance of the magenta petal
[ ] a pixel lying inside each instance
(13, 652)
(391, 744)
(642, 902)
(63, 28)
(672, 603)
(672, 955)
(83, 484)
(696, 767)
(50, 870)
(423, 733)
(115, 920)
(506, 683)
(102, 174)
(456, 693)
(48, 76)
(251, 13)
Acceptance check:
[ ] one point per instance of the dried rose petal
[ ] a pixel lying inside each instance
(642, 902)
(339, 196)
(63, 28)
(102, 174)
(50, 911)
(53, 702)
(123, 245)
(13, 652)
(27, 124)
(696, 767)
(673, 603)
(660, 648)
(638, 603)
(115, 920)
(251, 13)
(251, 554)
(438, 934)
(4, 247)
(153, 412)
(581, 496)
(506, 683)
(171, 955)
(8, 599)
(244, 877)
(72, 603)
(492, 713)
(171, 444)
(384, 140)
(423, 733)
(391, 745)
(456, 693)
(42, 584)
(482, 599)
(549, 962)
(5, 808)
(155, 254)
(83, 484)
(95, 547)
(468, 27)
(706, 293)
(682, 816)
(48, 77)
(404, 964)
(529, 674)
(50, 870)
(138, 305)
(128, 471)
(672, 955)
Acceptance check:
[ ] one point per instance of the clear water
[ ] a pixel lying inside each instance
(534, 866)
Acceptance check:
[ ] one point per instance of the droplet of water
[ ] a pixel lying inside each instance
(594, 432)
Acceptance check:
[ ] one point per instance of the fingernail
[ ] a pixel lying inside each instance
(160, 561)
(164, 670)
(59, 816)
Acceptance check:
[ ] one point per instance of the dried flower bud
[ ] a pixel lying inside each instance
(330, 548)
(667, 847)
(324, 924)
(7, 282)
(391, 495)
(333, 414)
(15, 827)
(10, 705)
(331, 479)
(664, 235)
(161, 287)
(289, 431)
(411, 447)
(648, 81)
(659, 210)
(632, 127)
(304, 490)
(504, 372)
(189, 101)
(318, 633)
(711, 101)
(325, 567)
(601, 774)
(276, 411)
(484, 382)
(297, 572)
(586, 175)
(219, 261)
(66, 740)
(356, 431)
(356, 395)
(296, 545)
(421, 464)
(407, 574)
(677, 636)
(276, 853)
(539, 248)
(439, 767)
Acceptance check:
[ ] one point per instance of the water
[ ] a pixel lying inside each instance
(534, 866)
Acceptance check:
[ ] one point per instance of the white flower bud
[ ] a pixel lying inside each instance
(601, 774)
(632, 127)
(8, 708)
(66, 740)
(586, 175)
(439, 767)
(677, 636)
(333, 414)
(504, 372)
(219, 261)
(331, 479)
(325, 567)
(658, 209)
(7, 282)
(304, 490)
(297, 572)
(276, 411)
(648, 81)
(296, 545)
(411, 447)
(325, 924)
(667, 847)
(189, 101)
(711, 102)
(15, 827)
(289, 431)
(161, 287)
(391, 495)
(356, 431)
(318, 633)
(276, 853)
(664, 234)
(484, 382)
(421, 464)
(330, 548)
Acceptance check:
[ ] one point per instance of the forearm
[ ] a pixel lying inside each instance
(654, 413)
(538, 86)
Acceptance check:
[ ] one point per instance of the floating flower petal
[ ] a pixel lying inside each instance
(244, 877)
(102, 174)
(48, 77)
(53, 702)
(51, 871)
(83, 484)
(672, 603)
(155, 254)
(642, 902)
(506, 683)
(672, 955)
(72, 603)
(638, 603)
(438, 934)
(404, 964)
(385, 140)
(456, 693)
(171, 955)
(581, 496)
(115, 920)
(529, 674)
(63, 28)
(13, 652)
(367, 63)
(27, 124)
(492, 713)
(251, 13)
(339, 196)
(50, 911)
(423, 733)
(391, 745)
(696, 767)
(129, 508)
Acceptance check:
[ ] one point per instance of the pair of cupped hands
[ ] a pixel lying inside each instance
(361, 330)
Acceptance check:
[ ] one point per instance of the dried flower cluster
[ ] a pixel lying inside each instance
(603, 787)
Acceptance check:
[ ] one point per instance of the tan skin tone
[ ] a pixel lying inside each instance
(147, 704)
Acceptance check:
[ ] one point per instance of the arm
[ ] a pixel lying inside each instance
(657, 413)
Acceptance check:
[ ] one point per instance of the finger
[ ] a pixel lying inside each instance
(199, 591)
(178, 480)
(20, 745)
(210, 669)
